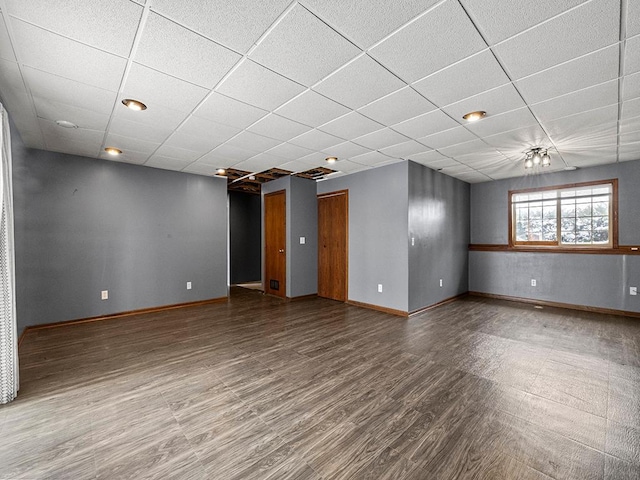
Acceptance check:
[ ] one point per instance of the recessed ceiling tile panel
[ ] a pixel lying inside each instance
(463, 79)
(59, 111)
(172, 49)
(167, 163)
(448, 138)
(380, 139)
(472, 147)
(503, 122)
(346, 150)
(253, 141)
(366, 22)
(201, 169)
(229, 111)
(631, 108)
(253, 84)
(155, 88)
(315, 159)
(472, 177)
(516, 142)
(499, 20)
(258, 163)
(129, 156)
(236, 24)
(67, 58)
(108, 24)
(201, 127)
(593, 137)
(432, 159)
(405, 150)
(494, 102)
(631, 86)
(289, 151)
(484, 160)
(633, 18)
(576, 102)
(581, 121)
(275, 126)
(153, 133)
(294, 166)
(59, 135)
(172, 151)
(199, 145)
(312, 109)
(348, 166)
(432, 122)
(83, 149)
(565, 37)
(437, 39)
(303, 48)
(350, 126)
(157, 116)
(629, 152)
(632, 55)
(231, 153)
(371, 159)
(62, 90)
(6, 50)
(358, 83)
(125, 143)
(589, 156)
(583, 72)
(316, 140)
(397, 107)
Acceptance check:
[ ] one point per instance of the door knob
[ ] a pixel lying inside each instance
(281, 250)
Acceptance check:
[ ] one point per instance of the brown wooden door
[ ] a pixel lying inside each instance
(275, 241)
(333, 228)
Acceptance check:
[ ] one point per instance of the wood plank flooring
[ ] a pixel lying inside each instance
(314, 389)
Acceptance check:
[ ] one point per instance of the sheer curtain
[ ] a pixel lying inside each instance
(8, 329)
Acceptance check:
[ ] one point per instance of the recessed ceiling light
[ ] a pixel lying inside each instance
(66, 124)
(134, 104)
(252, 177)
(474, 116)
(331, 159)
(113, 151)
(570, 169)
(221, 171)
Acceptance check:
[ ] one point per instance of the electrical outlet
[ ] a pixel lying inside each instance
(633, 290)
(188, 285)
(379, 288)
(533, 282)
(104, 295)
(413, 241)
(303, 240)
(440, 282)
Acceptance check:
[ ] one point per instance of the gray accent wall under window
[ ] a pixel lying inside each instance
(580, 279)
(84, 225)
(244, 237)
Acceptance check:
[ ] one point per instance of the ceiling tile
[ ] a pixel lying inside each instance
(259, 163)
(83, 149)
(516, 142)
(629, 152)
(197, 144)
(484, 160)
(289, 151)
(121, 125)
(275, 126)
(447, 138)
(230, 153)
(358, 83)
(6, 49)
(229, 111)
(583, 72)
(432, 157)
(512, 169)
(294, 166)
(172, 49)
(579, 101)
(456, 169)
(303, 48)
(253, 84)
(427, 124)
(472, 177)
(498, 20)
(631, 108)
(312, 109)
(236, 24)
(631, 86)
(404, 150)
(155, 88)
(561, 39)
(316, 140)
(494, 102)
(504, 122)
(156, 116)
(633, 18)
(173, 151)
(437, 39)
(351, 125)
(380, 139)
(129, 156)
(472, 147)
(201, 169)
(463, 79)
(592, 137)
(51, 129)
(167, 163)
(62, 90)
(371, 159)
(67, 58)
(630, 125)
(367, 22)
(59, 111)
(397, 107)
(315, 159)
(589, 157)
(631, 57)
(348, 166)
(109, 25)
(346, 150)
(253, 141)
(201, 127)
(581, 121)
(125, 143)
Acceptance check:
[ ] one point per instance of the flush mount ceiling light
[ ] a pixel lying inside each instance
(537, 157)
(331, 159)
(134, 104)
(113, 151)
(66, 124)
(474, 116)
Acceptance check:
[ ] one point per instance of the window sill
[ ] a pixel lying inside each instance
(620, 250)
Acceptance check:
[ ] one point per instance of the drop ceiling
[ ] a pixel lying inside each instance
(254, 86)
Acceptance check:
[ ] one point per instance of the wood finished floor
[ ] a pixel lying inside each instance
(314, 389)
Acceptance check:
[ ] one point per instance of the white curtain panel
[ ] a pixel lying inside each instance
(9, 381)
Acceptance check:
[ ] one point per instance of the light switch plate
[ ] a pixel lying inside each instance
(303, 240)
(633, 290)
(533, 282)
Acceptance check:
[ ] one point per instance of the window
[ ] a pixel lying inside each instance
(567, 216)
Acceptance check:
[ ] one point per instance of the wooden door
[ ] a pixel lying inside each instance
(275, 241)
(333, 236)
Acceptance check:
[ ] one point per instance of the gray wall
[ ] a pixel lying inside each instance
(84, 225)
(378, 227)
(301, 221)
(593, 280)
(439, 227)
(245, 250)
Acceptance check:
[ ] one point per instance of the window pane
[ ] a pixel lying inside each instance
(568, 208)
(567, 193)
(568, 237)
(550, 194)
(583, 209)
(568, 224)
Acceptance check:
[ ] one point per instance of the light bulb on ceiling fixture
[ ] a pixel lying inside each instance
(537, 158)
(546, 160)
(474, 116)
(136, 105)
(528, 163)
(331, 159)
(221, 171)
(113, 151)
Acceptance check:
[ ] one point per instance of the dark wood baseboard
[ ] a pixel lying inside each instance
(570, 306)
(439, 304)
(302, 297)
(114, 316)
(370, 306)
